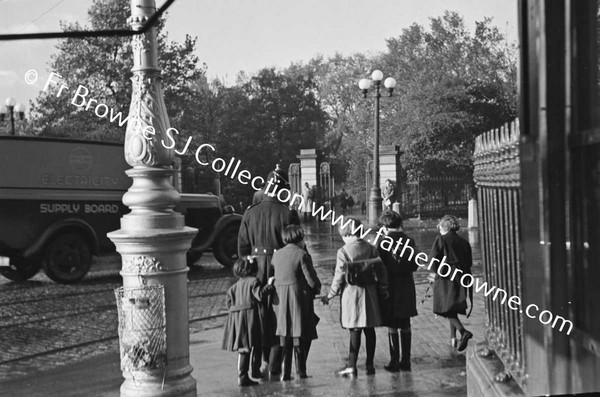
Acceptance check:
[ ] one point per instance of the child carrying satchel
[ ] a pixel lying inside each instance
(361, 273)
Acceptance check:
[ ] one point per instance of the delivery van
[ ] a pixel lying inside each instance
(60, 197)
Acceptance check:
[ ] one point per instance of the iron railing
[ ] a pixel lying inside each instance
(497, 178)
(433, 197)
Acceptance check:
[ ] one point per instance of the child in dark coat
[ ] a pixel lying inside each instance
(402, 305)
(242, 328)
(296, 285)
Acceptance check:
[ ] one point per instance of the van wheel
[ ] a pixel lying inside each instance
(225, 247)
(21, 269)
(67, 258)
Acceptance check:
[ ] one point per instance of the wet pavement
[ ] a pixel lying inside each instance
(437, 370)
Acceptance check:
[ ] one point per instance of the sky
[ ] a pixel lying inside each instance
(236, 35)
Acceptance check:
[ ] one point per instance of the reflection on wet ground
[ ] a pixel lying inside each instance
(324, 240)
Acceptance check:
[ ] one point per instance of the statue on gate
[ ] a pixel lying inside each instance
(389, 195)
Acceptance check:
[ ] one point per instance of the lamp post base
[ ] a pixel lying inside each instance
(157, 387)
(374, 206)
(153, 241)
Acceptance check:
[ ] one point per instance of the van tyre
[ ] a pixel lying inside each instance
(21, 269)
(67, 258)
(225, 247)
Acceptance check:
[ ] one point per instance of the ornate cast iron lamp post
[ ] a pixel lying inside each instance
(153, 239)
(10, 109)
(375, 196)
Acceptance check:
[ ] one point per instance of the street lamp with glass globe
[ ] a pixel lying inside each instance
(10, 109)
(375, 195)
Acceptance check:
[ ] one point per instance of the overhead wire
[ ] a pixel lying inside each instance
(43, 14)
(91, 33)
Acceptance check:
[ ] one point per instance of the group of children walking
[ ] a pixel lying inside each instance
(387, 299)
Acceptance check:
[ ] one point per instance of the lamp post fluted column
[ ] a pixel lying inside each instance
(153, 239)
(12, 120)
(375, 199)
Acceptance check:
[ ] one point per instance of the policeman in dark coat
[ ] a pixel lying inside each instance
(260, 236)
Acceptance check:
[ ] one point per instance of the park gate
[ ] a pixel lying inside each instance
(436, 196)
(497, 177)
(429, 196)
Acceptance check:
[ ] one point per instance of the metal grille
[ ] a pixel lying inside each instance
(142, 331)
(497, 177)
(437, 196)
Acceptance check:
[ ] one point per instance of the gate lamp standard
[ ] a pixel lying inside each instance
(11, 108)
(364, 84)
